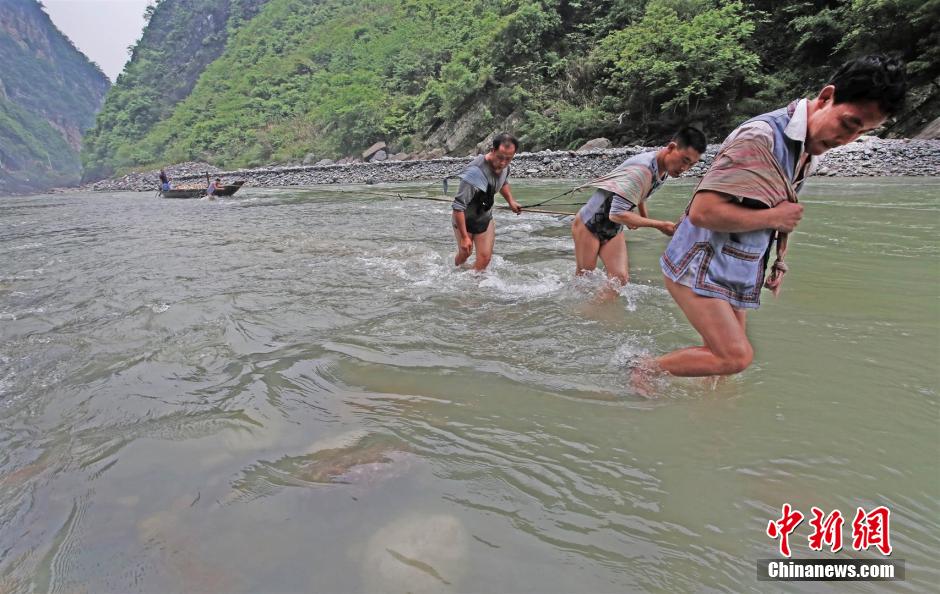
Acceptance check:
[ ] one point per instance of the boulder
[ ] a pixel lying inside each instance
(435, 153)
(309, 158)
(378, 157)
(372, 150)
(930, 132)
(323, 162)
(593, 145)
(399, 157)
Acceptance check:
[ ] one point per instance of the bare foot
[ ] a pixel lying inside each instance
(646, 376)
(712, 382)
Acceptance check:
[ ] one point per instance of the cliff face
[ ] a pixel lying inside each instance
(248, 82)
(181, 38)
(49, 94)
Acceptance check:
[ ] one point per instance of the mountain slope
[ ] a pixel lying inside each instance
(49, 93)
(333, 76)
(181, 38)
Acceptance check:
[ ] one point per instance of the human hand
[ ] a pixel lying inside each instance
(667, 228)
(787, 216)
(515, 207)
(466, 244)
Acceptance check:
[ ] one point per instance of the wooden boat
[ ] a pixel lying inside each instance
(229, 189)
(185, 192)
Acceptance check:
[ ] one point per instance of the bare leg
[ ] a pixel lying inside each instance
(462, 255)
(726, 349)
(586, 247)
(614, 256)
(484, 244)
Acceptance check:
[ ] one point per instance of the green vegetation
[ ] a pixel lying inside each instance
(34, 155)
(333, 76)
(182, 38)
(49, 93)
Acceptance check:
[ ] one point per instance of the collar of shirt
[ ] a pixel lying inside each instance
(796, 129)
(654, 167)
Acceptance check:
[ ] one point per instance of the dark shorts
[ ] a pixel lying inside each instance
(476, 226)
(603, 232)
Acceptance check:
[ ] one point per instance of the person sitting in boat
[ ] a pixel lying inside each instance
(164, 181)
(472, 216)
(213, 188)
(620, 199)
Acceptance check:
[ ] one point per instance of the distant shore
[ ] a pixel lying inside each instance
(868, 157)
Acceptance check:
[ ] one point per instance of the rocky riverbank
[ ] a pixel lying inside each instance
(866, 157)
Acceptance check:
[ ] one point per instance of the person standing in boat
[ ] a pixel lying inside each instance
(620, 199)
(714, 265)
(164, 181)
(472, 216)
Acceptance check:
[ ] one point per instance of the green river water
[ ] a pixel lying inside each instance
(293, 390)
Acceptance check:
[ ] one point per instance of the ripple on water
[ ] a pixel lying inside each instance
(308, 367)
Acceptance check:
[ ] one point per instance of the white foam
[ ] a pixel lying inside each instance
(547, 284)
(26, 246)
(635, 293)
(7, 315)
(627, 352)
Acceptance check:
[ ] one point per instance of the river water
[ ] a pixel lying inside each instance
(293, 390)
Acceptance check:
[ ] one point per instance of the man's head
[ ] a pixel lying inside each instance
(504, 149)
(217, 180)
(683, 151)
(858, 98)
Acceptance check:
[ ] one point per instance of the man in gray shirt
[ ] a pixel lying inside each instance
(472, 208)
(620, 199)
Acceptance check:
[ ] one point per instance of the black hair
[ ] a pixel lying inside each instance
(505, 138)
(875, 77)
(690, 136)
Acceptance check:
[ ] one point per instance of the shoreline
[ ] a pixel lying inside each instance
(867, 157)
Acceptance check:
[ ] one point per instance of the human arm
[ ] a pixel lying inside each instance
(462, 200)
(635, 220)
(464, 241)
(722, 213)
(507, 194)
(622, 211)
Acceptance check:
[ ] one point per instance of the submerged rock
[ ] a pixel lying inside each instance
(418, 554)
(355, 458)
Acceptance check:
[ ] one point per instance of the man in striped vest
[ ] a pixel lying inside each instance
(715, 264)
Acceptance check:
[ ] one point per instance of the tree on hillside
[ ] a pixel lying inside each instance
(685, 59)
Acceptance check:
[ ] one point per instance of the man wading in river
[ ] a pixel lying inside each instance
(472, 208)
(715, 263)
(620, 199)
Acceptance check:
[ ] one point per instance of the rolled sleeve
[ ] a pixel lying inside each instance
(620, 205)
(464, 195)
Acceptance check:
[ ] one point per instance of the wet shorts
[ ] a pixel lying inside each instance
(603, 232)
(476, 226)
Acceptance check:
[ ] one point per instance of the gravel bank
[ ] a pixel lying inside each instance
(866, 157)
